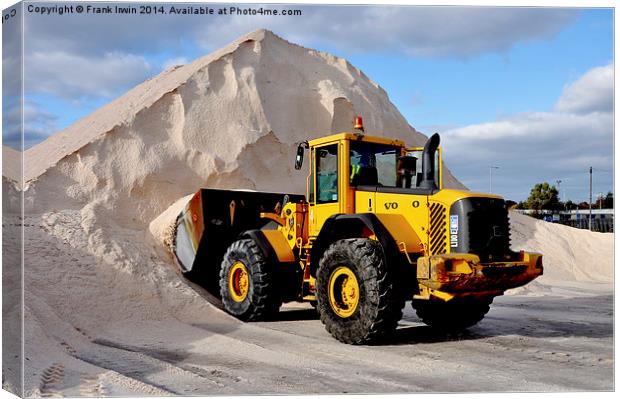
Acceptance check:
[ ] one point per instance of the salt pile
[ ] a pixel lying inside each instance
(92, 193)
(570, 255)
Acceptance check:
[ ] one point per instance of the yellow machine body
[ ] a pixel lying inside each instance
(418, 225)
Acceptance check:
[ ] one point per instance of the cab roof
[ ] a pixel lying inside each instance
(355, 137)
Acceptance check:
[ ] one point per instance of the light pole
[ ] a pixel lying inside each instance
(491, 177)
(590, 216)
(558, 182)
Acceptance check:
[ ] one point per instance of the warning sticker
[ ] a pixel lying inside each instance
(454, 231)
(454, 224)
(454, 240)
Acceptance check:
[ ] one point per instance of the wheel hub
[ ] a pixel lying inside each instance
(238, 282)
(343, 292)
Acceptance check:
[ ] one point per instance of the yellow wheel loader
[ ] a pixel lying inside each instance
(375, 229)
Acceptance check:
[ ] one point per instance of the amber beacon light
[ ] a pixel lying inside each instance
(359, 124)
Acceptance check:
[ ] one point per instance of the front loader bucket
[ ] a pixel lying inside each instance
(211, 221)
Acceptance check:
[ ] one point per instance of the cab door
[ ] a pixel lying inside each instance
(324, 186)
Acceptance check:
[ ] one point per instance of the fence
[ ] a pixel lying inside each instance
(600, 225)
(602, 219)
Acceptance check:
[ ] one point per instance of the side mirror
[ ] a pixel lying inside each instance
(299, 159)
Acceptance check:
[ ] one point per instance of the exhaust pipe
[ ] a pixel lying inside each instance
(428, 163)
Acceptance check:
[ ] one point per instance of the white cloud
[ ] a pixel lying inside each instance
(594, 91)
(414, 31)
(97, 34)
(540, 146)
(84, 55)
(11, 60)
(38, 124)
(71, 75)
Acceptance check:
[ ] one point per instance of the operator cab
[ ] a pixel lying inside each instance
(371, 162)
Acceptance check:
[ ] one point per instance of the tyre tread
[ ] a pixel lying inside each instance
(386, 305)
(264, 301)
(453, 316)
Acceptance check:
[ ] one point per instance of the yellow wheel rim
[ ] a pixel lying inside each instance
(344, 291)
(238, 282)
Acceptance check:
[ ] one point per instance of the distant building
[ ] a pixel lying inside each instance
(602, 219)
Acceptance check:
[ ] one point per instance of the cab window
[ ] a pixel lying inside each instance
(327, 174)
(373, 164)
(418, 174)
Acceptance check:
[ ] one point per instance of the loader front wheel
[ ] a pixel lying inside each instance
(356, 294)
(248, 283)
(452, 316)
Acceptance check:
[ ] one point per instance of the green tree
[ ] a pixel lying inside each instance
(584, 205)
(543, 196)
(608, 201)
(570, 205)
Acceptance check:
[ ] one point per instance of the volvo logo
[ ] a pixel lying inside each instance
(391, 205)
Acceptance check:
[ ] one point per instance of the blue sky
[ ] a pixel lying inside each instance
(434, 92)
(495, 82)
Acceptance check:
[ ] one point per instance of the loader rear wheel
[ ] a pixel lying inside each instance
(248, 283)
(452, 316)
(356, 295)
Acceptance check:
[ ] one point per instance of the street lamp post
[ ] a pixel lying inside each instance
(558, 182)
(491, 177)
(590, 216)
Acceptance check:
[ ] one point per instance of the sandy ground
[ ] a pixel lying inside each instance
(115, 333)
(105, 312)
(525, 344)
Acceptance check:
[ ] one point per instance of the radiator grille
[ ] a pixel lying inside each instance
(489, 231)
(484, 228)
(438, 229)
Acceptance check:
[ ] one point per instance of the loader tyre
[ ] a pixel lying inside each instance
(357, 297)
(248, 283)
(452, 316)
